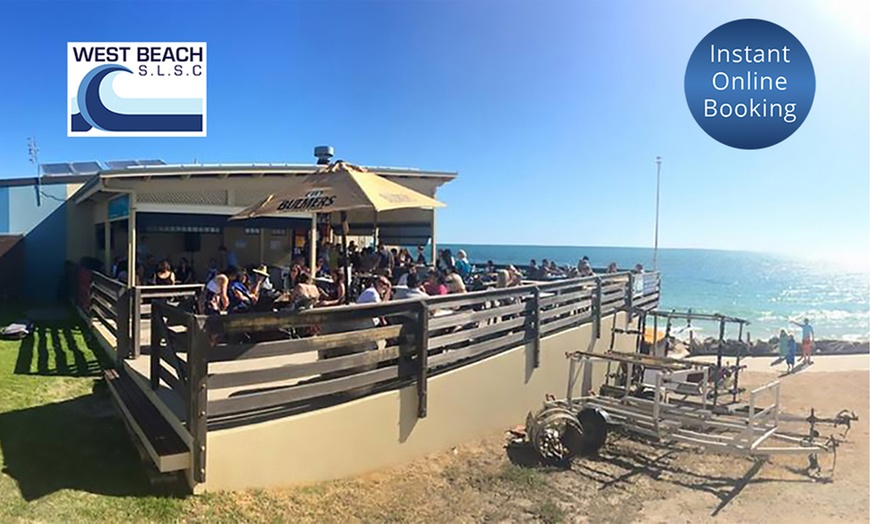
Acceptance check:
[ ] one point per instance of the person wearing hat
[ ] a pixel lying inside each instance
(261, 280)
(463, 266)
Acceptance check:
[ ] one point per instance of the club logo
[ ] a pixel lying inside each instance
(136, 89)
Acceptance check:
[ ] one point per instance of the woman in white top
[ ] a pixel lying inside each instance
(214, 299)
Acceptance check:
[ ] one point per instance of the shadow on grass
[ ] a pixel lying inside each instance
(78, 444)
(53, 350)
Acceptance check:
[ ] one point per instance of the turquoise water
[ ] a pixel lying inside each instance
(765, 289)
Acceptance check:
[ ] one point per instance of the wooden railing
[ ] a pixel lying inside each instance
(141, 299)
(106, 303)
(232, 369)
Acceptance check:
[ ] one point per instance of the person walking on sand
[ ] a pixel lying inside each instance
(783, 344)
(807, 340)
(790, 353)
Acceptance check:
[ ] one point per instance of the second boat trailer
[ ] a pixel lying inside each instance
(670, 399)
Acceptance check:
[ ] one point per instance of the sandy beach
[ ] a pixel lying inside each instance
(826, 363)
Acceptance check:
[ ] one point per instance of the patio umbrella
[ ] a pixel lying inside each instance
(339, 187)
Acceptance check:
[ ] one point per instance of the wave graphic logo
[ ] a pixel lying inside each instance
(139, 89)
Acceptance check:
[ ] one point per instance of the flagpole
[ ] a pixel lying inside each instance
(658, 184)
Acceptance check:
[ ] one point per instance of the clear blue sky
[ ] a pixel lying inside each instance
(551, 112)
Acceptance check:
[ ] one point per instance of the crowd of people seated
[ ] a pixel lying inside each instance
(377, 274)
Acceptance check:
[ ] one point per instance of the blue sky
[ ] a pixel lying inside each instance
(552, 112)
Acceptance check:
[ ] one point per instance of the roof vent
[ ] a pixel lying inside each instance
(323, 154)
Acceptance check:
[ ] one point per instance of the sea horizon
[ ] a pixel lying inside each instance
(768, 289)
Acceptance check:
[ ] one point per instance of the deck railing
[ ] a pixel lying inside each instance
(235, 369)
(141, 299)
(106, 303)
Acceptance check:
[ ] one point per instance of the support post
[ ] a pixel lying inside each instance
(737, 369)
(346, 269)
(123, 325)
(136, 322)
(312, 245)
(131, 243)
(629, 300)
(107, 243)
(197, 369)
(535, 326)
(376, 231)
(433, 260)
(719, 362)
(422, 359)
(596, 308)
(155, 350)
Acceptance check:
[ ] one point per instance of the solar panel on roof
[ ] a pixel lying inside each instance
(86, 168)
(56, 169)
(121, 164)
(152, 162)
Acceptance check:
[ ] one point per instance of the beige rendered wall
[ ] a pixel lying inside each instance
(382, 430)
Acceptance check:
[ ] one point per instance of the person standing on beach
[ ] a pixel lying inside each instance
(791, 349)
(783, 344)
(807, 340)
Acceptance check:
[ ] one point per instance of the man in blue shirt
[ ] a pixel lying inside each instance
(807, 340)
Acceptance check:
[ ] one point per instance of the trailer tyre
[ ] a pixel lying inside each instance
(594, 430)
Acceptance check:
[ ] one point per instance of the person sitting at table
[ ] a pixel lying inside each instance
(611, 268)
(454, 283)
(305, 294)
(378, 291)
(293, 278)
(164, 275)
(339, 289)
(413, 288)
(322, 268)
(436, 284)
(214, 298)
(262, 281)
(515, 278)
(239, 294)
(463, 266)
(446, 260)
(403, 278)
(554, 269)
(184, 272)
(585, 269)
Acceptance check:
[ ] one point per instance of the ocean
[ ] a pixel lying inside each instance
(766, 289)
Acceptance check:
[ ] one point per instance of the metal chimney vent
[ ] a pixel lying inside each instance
(323, 154)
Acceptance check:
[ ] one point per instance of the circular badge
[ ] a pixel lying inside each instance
(750, 84)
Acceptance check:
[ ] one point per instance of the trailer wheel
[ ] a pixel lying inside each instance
(594, 430)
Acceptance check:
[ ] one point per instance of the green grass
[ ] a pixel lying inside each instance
(66, 456)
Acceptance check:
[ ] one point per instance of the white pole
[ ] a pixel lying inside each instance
(656, 244)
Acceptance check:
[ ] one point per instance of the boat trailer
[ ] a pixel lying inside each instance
(670, 399)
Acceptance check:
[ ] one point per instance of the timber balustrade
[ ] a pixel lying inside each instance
(262, 362)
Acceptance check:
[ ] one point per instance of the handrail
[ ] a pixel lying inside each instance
(425, 337)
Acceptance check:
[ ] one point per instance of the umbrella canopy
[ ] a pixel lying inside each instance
(339, 187)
